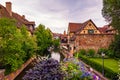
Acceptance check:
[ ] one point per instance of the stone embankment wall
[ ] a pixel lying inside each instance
(93, 41)
(14, 74)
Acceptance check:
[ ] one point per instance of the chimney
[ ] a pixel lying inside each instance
(9, 7)
(23, 16)
(64, 32)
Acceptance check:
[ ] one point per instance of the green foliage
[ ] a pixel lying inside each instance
(71, 70)
(91, 52)
(29, 45)
(108, 72)
(44, 39)
(56, 43)
(111, 12)
(75, 69)
(82, 51)
(12, 51)
(103, 50)
(115, 47)
(111, 9)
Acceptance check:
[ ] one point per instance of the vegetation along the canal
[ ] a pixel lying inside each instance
(17, 45)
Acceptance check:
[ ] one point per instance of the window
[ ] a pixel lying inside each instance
(90, 31)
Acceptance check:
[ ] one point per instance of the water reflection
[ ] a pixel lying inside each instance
(56, 56)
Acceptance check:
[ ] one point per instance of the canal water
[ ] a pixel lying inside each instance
(56, 56)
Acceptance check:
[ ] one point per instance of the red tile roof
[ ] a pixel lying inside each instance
(103, 29)
(75, 27)
(20, 19)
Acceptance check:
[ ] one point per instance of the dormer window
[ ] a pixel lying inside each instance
(90, 31)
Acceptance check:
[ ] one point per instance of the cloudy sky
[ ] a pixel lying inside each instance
(56, 14)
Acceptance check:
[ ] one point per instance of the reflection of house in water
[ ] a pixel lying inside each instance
(7, 12)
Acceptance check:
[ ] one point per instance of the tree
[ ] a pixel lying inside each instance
(56, 43)
(111, 12)
(11, 54)
(16, 45)
(29, 45)
(44, 39)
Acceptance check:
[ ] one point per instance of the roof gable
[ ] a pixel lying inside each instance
(4, 13)
(90, 22)
(78, 27)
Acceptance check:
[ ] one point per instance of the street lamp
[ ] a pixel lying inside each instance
(103, 63)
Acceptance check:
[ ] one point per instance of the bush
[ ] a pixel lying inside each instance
(102, 50)
(16, 45)
(91, 52)
(82, 51)
(108, 72)
(45, 70)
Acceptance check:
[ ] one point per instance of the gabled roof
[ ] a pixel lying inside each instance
(106, 28)
(20, 19)
(75, 27)
(103, 29)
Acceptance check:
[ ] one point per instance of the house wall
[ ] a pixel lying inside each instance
(93, 41)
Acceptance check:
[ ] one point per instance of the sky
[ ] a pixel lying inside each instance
(56, 14)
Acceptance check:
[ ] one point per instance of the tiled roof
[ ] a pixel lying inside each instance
(106, 28)
(20, 19)
(103, 29)
(75, 27)
(4, 12)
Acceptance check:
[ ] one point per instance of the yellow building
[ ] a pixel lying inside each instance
(77, 29)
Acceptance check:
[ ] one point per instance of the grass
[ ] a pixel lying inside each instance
(110, 63)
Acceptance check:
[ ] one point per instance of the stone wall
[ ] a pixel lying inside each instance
(14, 74)
(93, 41)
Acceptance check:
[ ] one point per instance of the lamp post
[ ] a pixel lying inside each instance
(103, 63)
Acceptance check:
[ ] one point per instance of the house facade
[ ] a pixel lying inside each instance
(21, 20)
(88, 36)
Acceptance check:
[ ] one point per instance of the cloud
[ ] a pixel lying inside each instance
(56, 14)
